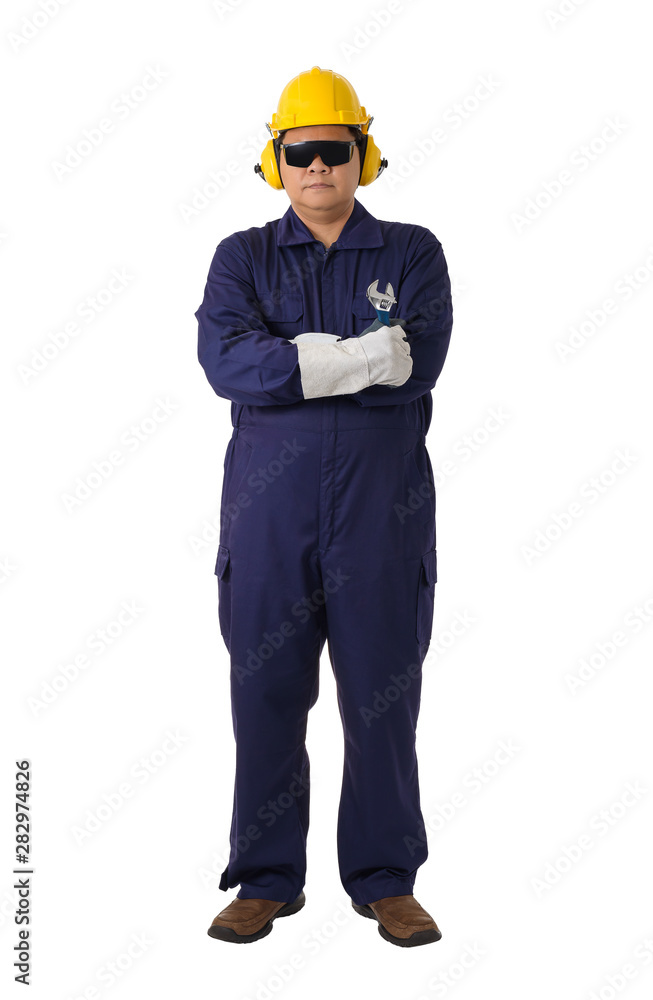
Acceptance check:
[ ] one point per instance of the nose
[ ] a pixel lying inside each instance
(317, 163)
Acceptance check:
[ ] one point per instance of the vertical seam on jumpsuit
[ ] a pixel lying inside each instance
(319, 492)
(334, 492)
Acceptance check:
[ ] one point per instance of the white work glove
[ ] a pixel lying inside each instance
(388, 355)
(330, 366)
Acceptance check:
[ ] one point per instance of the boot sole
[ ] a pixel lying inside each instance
(229, 934)
(419, 937)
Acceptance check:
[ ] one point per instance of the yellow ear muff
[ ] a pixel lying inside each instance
(267, 168)
(373, 164)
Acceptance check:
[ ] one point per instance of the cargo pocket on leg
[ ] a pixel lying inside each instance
(426, 596)
(223, 574)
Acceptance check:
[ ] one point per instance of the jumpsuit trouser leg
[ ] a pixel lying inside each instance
(377, 662)
(322, 539)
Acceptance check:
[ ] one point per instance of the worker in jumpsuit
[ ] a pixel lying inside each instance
(327, 529)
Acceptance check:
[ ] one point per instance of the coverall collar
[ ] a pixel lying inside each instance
(361, 230)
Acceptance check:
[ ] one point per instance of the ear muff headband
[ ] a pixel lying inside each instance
(372, 164)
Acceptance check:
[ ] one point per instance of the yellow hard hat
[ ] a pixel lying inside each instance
(319, 97)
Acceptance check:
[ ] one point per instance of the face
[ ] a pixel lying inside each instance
(319, 191)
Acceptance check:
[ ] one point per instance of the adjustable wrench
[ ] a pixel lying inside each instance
(382, 303)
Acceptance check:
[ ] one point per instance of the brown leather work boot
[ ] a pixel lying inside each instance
(401, 920)
(250, 919)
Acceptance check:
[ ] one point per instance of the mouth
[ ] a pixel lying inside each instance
(319, 187)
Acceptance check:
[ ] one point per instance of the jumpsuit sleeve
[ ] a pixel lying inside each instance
(424, 302)
(242, 360)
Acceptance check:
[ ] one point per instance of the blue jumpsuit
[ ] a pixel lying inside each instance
(327, 533)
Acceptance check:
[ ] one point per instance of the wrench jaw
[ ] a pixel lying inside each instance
(382, 302)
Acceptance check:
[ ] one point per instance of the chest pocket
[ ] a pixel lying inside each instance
(284, 317)
(364, 312)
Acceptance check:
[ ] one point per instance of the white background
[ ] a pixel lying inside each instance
(498, 880)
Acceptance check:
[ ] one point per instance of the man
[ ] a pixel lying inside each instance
(328, 512)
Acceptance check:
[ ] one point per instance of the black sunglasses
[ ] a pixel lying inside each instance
(332, 153)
